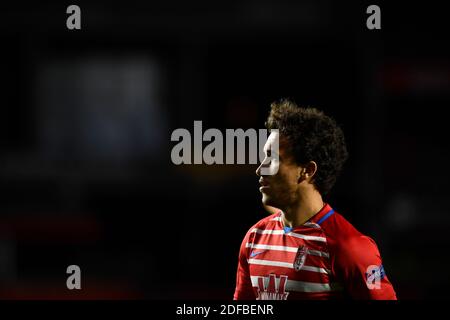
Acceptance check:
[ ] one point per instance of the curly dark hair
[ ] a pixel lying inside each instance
(312, 136)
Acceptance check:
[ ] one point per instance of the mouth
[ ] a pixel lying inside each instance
(264, 185)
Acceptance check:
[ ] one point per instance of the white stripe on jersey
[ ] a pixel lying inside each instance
(318, 253)
(312, 225)
(289, 265)
(293, 234)
(306, 224)
(285, 248)
(299, 286)
(270, 247)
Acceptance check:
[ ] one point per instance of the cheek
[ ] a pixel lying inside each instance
(286, 180)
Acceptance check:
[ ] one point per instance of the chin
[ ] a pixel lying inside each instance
(268, 201)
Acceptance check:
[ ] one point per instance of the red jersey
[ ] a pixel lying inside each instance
(325, 258)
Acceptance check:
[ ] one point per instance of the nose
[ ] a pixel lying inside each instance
(264, 164)
(258, 170)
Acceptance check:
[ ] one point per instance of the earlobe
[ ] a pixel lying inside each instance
(307, 172)
(302, 175)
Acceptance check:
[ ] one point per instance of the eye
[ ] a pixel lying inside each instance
(269, 153)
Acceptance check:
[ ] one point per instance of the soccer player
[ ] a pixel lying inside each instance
(305, 249)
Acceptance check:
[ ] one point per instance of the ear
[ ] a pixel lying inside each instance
(307, 171)
(310, 170)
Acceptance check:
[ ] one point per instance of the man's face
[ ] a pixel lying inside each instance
(278, 190)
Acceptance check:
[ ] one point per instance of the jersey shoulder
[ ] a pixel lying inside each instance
(346, 242)
(339, 229)
(267, 222)
(356, 261)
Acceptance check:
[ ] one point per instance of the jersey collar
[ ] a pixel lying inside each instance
(322, 215)
(318, 218)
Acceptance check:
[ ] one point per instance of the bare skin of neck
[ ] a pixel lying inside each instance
(308, 203)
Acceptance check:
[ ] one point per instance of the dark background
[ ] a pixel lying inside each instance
(86, 117)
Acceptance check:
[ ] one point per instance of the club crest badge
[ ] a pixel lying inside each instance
(300, 257)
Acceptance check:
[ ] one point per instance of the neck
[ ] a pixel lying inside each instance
(307, 205)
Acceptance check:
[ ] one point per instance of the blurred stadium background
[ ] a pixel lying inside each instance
(86, 116)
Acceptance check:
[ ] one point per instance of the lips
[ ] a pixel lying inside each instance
(263, 183)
